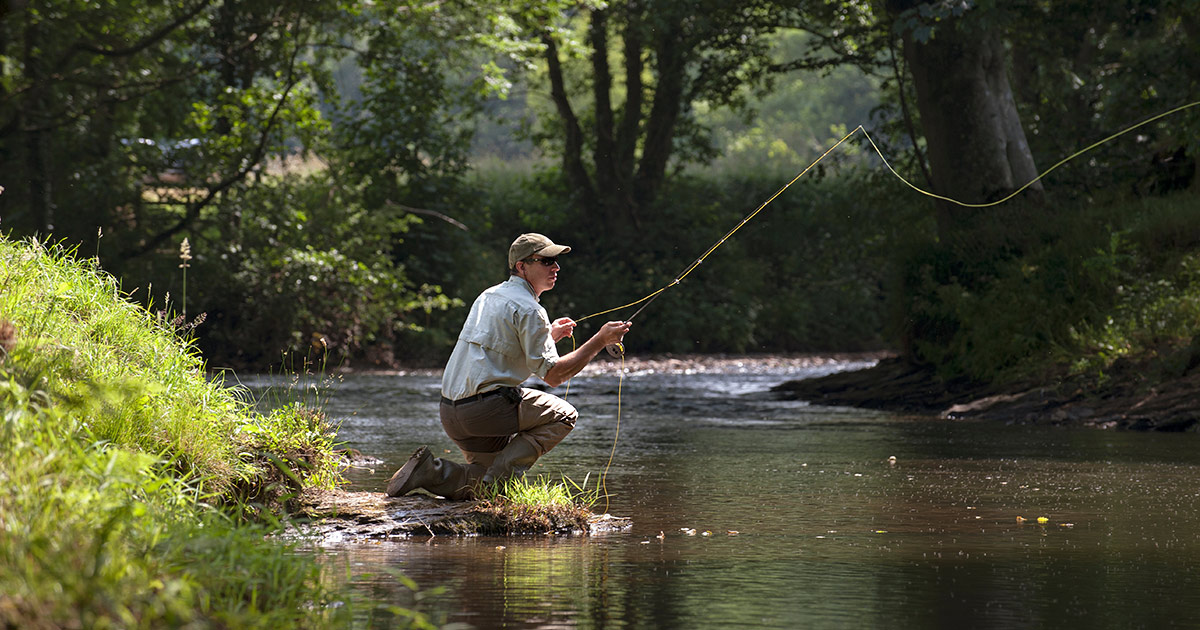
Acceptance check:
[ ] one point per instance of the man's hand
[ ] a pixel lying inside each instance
(570, 364)
(561, 327)
(613, 332)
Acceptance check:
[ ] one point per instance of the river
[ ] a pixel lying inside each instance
(750, 512)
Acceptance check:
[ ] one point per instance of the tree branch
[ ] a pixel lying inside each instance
(432, 213)
(255, 159)
(137, 47)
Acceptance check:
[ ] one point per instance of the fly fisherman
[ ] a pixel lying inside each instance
(501, 427)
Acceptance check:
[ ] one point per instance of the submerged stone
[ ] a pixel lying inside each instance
(341, 516)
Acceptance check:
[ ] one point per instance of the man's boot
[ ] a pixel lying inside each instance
(513, 460)
(436, 475)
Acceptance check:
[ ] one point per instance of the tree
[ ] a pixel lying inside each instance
(150, 121)
(116, 109)
(975, 143)
(619, 132)
(1001, 86)
(1086, 70)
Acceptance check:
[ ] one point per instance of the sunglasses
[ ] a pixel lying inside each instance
(549, 262)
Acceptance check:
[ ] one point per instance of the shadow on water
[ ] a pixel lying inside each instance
(800, 517)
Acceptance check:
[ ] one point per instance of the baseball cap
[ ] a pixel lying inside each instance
(531, 243)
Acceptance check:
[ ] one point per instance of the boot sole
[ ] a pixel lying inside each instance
(396, 485)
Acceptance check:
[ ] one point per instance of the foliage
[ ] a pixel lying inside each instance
(803, 113)
(105, 101)
(189, 126)
(102, 536)
(1120, 282)
(520, 490)
(317, 158)
(405, 136)
(1088, 70)
(81, 340)
(624, 81)
(1156, 294)
(309, 273)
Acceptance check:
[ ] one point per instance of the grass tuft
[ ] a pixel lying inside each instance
(523, 505)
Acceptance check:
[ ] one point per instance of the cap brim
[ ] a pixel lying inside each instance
(553, 250)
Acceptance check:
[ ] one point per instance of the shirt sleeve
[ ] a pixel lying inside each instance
(533, 327)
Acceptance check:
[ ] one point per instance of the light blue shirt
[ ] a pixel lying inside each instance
(505, 339)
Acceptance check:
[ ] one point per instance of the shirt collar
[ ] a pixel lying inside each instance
(518, 280)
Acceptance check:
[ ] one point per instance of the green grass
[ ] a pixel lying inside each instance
(540, 491)
(127, 476)
(534, 505)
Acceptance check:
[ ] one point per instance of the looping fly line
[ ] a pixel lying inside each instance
(650, 298)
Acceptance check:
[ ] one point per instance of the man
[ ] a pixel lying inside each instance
(500, 427)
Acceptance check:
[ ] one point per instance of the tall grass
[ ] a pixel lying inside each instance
(114, 446)
(100, 536)
(77, 334)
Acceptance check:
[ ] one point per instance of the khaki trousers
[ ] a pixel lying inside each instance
(482, 428)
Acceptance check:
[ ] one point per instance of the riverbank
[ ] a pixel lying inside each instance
(1132, 395)
(135, 492)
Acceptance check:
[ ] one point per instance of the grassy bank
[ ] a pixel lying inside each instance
(134, 491)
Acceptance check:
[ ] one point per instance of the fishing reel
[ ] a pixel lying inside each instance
(616, 350)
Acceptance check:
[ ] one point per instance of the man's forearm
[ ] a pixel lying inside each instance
(570, 364)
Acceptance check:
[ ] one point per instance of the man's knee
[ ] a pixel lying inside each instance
(570, 417)
(538, 408)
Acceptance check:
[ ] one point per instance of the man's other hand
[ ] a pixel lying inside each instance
(562, 327)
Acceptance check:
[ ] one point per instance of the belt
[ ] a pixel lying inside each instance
(471, 399)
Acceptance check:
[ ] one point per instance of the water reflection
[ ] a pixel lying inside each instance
(830, 531)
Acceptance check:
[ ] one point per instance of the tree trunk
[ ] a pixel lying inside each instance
(33, 126)
(615, 205)
(976, 145)
(577, 174)
(664, 114)
(631, 117)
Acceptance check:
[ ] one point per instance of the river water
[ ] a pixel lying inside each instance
(801, 517)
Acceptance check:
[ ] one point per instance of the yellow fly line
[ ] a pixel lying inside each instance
(603, 485)
(1035, 179)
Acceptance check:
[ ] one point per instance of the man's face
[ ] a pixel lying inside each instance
(540, 272)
